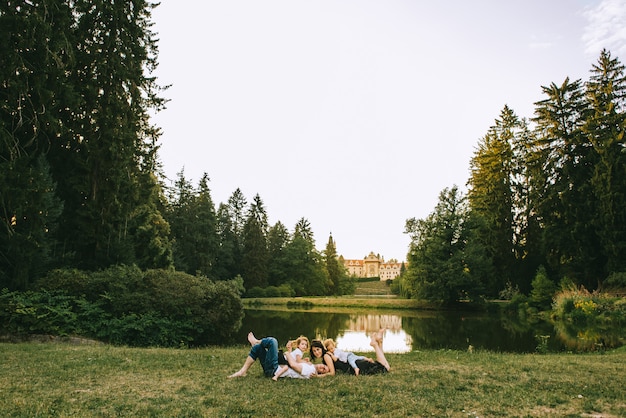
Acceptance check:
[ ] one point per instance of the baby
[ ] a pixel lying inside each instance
(345, 356)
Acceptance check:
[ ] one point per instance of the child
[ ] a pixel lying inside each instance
(302, 345)
(345, 356)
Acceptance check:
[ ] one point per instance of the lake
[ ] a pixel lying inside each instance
(410, 331)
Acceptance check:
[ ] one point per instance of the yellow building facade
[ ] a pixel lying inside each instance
(373, 266)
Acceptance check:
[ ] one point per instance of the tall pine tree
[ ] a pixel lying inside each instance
(604, 128)
(491, 197)
(36, 52)
(255, 256)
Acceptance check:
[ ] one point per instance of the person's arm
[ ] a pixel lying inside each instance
(328, 360)
(293, 363)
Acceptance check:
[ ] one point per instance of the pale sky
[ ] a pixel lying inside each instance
(356, 114)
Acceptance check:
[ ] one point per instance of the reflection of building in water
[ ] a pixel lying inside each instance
(373, 266)
(371, 323)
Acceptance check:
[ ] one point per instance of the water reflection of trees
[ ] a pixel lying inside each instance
(441, 330)
(589, 337)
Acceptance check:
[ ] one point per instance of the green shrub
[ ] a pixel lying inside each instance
(286, 291)
(255, 292)
(542, 290)
(124, 305)
(583, 307)
(347, 285)
(37, 313)
(272, 292)
(148, 330)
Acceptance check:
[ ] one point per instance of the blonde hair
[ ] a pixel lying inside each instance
(302, 338)
(329, 341)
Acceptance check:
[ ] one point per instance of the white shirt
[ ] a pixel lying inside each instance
(341, 355)
(307, 371)
(297, 352)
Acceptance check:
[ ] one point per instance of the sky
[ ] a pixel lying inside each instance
(356, 114)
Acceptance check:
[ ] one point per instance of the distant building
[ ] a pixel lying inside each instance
(373, 266)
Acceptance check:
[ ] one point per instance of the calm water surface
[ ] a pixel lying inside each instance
(409, 331)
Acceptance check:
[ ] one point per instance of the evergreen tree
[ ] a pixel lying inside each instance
(334, 270)
(277, 240)
(560, 170)
(255, 256)
(306, 271)
(152, 232)
(527, 241)
(604, 128)
(181, 219)
(437, 268)
(236, 207)
(206, 229)
(237, 204)
(29, 212)
(226, 265)
(193, 221)
(491, 197)
(35, 54)
(103, 161)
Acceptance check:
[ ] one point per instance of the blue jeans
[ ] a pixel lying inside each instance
(352, 358)
(267, 353)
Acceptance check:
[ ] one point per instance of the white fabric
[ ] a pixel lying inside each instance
(297, 352)
(341, 355)
(307, 371)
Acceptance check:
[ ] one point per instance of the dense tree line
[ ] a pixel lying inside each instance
(236, 240)
(80, 182)
(78, 155)
(546, 198)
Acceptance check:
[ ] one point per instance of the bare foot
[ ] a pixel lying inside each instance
(252, 339)
(238, 374)
(356, 371)
(373, 341)
(275, 378)
(380, 334)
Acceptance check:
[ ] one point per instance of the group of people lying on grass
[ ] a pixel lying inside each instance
(325, 358)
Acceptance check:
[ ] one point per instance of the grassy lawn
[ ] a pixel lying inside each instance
(104, 381)
(360, 301)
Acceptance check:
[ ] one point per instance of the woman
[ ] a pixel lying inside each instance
(316, 352)
(381, 365)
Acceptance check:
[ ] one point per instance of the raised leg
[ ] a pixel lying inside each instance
(376, 341)
(268, 356)
(252, 339)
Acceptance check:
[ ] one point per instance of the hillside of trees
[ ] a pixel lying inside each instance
(81, 185)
